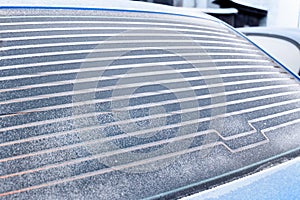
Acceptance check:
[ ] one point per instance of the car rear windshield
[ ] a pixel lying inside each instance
(129, 105)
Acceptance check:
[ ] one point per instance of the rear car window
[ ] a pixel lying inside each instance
(130, 105)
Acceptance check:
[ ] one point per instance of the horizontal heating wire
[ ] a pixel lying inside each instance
(190, 135)
(132, 164)
(139, 162)
(112, 57)
(143, 42)
(95, 101)
(137, 84)
(85, 80)
(178, 138)
(134, 107)
(184, 111)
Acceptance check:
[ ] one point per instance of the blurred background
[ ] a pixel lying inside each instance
(245, 13)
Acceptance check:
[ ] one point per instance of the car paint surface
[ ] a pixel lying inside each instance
(278, 182)
(282, 43)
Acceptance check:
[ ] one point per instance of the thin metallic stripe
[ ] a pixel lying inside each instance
(52, 17)
(114, 23)
(116, 28)
(125, 150)
(89, 50)
(161, 157)
(125, 66)
(111, 153)
(97, 42)
(115, 34)
(275, 115)
(20, 66)
(149, 105)
(107, 170)
(66, 147)
(188, 110)
(211, 24)
(188, 136)
(101, 51)
(84, 80)
(125, 86)
(296, 121)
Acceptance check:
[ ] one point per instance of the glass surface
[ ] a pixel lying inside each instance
(127, 105)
